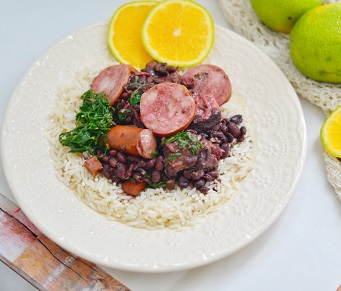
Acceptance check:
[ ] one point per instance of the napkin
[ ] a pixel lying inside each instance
(327, 96)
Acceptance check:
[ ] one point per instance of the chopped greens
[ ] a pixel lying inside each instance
(186, 140)
(135, 98)
(154, 154)
(122, 114)
(136, 83)
(136, 95)
(172, 157)
(152, 185)
(156, 185)
(93, 121)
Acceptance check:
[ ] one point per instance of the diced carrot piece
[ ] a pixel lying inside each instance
(133, 188)
(93, 165)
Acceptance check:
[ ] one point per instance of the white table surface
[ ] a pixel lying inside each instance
(300, 251)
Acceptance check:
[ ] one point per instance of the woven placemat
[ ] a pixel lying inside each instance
(244, 21)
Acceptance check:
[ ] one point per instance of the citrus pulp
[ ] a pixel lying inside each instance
(178, 32)
(124, 33)
(331, 133)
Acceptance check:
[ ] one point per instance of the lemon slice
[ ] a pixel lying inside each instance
(331, 133)
(124, 33)
(178, 32)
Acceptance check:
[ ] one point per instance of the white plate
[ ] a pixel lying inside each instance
(280, 148)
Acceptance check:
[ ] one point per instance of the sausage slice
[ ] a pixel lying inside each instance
(111, 81)
(134, 140)
(217, 83)
(146, 144)
(167, 108)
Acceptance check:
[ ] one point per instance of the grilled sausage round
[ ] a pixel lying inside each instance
(111, 81)
(167, 108)
(217, 84)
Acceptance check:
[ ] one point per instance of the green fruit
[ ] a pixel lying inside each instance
(281, 15)
(315, 43)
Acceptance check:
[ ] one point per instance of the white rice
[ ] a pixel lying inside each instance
(153, 208)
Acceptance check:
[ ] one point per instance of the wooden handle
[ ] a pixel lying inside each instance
(40, 261)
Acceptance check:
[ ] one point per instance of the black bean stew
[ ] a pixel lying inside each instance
(187, 159)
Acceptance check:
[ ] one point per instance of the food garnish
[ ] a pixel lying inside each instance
(178, 32)
(124, 33)
(93, 121)
(186, 140)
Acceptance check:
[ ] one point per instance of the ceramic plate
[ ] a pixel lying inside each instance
(280, 146)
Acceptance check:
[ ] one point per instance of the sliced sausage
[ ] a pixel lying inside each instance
(167, 108)
(217, 82)
(206, 103)
(134, 140)
(111, 81)
(146, 143)
(93, 165)
(208, 114)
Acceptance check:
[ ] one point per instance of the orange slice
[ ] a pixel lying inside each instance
(331, 133)
(124, 33)
(178, 32)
